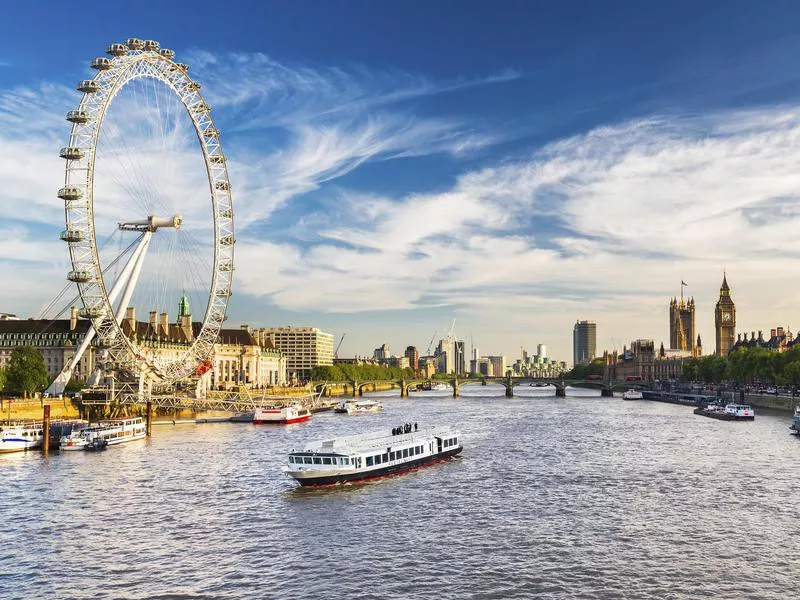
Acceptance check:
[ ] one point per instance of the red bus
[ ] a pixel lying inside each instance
(594, 378)
(633, 378)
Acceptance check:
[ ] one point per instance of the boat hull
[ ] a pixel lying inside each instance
(387, 471)
(287, 421)
(722, 416)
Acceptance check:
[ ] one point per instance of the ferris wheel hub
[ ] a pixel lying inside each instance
(152, 223)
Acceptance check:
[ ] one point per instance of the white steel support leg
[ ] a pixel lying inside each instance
(60, 382)
(134, 278)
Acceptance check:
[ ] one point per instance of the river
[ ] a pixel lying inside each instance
(576, 497)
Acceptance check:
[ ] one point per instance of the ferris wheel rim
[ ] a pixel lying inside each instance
(131, 61)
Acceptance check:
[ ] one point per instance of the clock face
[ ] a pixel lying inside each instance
(726, 317)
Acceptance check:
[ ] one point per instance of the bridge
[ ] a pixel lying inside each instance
(405, 385)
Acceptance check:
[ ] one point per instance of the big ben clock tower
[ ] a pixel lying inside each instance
(725, 319)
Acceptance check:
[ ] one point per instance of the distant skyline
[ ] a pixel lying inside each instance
(515, 165)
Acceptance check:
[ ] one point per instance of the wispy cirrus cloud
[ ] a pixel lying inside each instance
(595, 223)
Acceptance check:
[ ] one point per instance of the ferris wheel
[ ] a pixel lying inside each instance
(149, 218)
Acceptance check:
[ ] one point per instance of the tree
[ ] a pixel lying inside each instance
(26, 373)
(792, 374)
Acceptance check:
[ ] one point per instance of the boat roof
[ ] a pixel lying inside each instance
(376, 439)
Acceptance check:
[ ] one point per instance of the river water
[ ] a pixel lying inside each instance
(577, 497)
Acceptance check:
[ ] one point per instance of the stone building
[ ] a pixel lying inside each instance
(681, 324)
(634, 364)
(725, 319)
(303, 347)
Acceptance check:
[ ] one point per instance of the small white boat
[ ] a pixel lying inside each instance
(440, 387)
(19, 436)
(281, 415)
(795, 426)
(632, 395)
(740, 412)
(355, 407)
(112, 431)
(371, 455)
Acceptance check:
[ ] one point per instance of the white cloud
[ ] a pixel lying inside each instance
(630, 210)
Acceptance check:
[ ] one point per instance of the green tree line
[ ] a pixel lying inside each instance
(360, 373)
(596, 367)
(25, 374)
(747, 365)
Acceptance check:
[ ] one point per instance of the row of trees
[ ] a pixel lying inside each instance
(360, 373)
(25, 373)
(747, 365)
(596, 367)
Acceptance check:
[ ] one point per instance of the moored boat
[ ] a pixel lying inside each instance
(440, 387)
(281, 415)
(632, 395)
(112, 431)
(16, 436)
(371, 455)
(795, 426)
(727, 412)
(354, 407)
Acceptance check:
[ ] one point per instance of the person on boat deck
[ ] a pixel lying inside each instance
(415, 427)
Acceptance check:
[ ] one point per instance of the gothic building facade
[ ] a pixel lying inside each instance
(725, 319)
(681, 325)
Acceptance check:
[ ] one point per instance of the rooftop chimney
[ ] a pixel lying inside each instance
(153, 317)
(164, 325)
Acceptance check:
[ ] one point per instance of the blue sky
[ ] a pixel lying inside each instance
(513, 165)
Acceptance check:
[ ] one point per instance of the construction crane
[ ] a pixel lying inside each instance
(339, 345)
(452, 327)
(430, 344)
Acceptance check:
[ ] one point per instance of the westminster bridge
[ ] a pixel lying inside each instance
(356, 388)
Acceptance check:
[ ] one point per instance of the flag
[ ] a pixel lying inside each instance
(683, 282)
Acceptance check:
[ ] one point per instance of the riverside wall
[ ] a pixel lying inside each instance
(781, 403)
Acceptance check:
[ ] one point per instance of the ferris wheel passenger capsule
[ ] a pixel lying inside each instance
(90, 312)
(72, 235)
(101, 64)
(88, 86)
(71, 153)
(78, 116)
(117, 50)
(151, 45)
(134, 43)
(192, 86)
(79, 276)
(167, 53)
(70, 192)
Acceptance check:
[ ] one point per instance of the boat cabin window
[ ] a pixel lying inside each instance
(386, 457)
(405, 453)
(307, 460)
(455, 441)
(326, 461)
(392, 455)
(346, 460)
(317, 460)
(370, 461)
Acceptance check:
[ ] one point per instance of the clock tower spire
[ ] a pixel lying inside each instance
(725, 319)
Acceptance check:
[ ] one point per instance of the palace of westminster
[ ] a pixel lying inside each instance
(642, 362)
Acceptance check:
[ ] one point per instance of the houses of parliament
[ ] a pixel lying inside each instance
(682, 336)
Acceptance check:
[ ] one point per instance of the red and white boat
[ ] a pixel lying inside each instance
(281, 415)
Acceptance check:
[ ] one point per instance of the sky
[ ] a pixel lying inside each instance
(512, 166)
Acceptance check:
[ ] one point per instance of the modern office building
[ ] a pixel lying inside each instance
(584, 342)
(303, 347)
(413, 357)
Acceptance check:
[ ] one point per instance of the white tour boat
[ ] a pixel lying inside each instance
(16, 437)
(632, 395)
(440, 387)
(740, 412)
(354, 407)
(112, 431)
(371, 455)
(281, 415)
